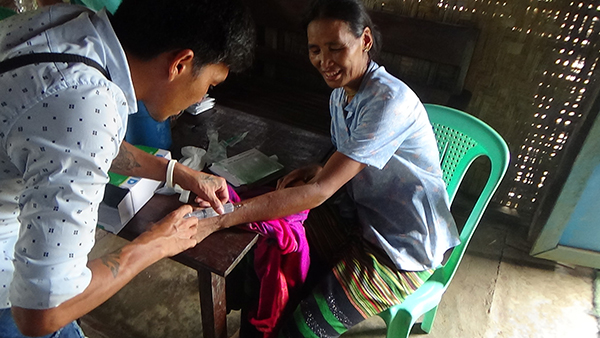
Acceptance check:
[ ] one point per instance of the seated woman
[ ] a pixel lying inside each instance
(388, 224)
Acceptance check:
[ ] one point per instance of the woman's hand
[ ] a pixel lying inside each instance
(299, 176)
(211, 190)
(173, 233)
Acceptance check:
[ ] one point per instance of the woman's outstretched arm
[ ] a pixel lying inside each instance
(279, 203)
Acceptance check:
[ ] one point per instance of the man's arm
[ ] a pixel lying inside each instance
(64, 172)
(132, 161)
(110, 273)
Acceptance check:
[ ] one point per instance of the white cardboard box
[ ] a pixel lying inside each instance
(124, 196)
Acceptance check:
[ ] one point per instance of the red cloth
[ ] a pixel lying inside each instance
(281, 261)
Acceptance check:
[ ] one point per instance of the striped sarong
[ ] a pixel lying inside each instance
(350, 279)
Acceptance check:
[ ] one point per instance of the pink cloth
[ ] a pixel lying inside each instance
(281, 261)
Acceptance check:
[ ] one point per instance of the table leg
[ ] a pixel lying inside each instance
(212, 304)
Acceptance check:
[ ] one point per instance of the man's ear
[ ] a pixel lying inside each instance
(180, 62)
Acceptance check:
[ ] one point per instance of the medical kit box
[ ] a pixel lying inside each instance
(126, 195)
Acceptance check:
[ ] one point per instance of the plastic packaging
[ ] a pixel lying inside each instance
(215, 151)
(210, 212)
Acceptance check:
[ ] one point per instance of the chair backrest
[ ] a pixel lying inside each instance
(461, 139)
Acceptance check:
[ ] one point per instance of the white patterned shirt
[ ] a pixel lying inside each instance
(61, 126)
(400, 197)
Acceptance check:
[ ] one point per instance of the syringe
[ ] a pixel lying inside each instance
(209, 212)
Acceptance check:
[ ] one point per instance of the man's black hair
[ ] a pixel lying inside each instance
(353, 12)
(217, 31)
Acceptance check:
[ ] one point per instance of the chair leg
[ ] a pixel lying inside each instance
(399, 324)
(428, 319)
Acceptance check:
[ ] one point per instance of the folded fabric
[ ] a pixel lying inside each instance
(281, 262)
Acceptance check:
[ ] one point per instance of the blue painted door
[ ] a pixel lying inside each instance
(572, 232)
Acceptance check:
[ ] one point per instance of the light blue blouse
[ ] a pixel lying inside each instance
(400, 197)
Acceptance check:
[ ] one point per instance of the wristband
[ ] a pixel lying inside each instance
(170, 168)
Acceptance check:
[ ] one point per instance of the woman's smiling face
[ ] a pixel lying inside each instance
(339, 56)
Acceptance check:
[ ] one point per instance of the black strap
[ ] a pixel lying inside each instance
(23, 60)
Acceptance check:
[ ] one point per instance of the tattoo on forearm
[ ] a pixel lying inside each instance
(112, 262)
(125, 160)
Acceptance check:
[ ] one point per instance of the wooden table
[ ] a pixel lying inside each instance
(216, 256)
(213, 259)
(293, 146)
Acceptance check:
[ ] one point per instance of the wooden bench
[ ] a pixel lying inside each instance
(432, 58)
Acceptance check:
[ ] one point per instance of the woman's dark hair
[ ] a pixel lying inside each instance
(215, 30)
(353, 12)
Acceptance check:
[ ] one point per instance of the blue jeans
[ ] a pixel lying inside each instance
(8, 328)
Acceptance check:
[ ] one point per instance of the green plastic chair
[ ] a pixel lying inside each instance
(461, 139)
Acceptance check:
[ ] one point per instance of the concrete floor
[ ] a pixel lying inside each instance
(498, 291)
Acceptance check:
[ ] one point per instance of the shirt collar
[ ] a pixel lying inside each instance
(351, 107)
(116, 61)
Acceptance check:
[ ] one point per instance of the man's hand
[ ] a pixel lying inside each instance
(168, 237)
(211, 190)
(173, 233)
